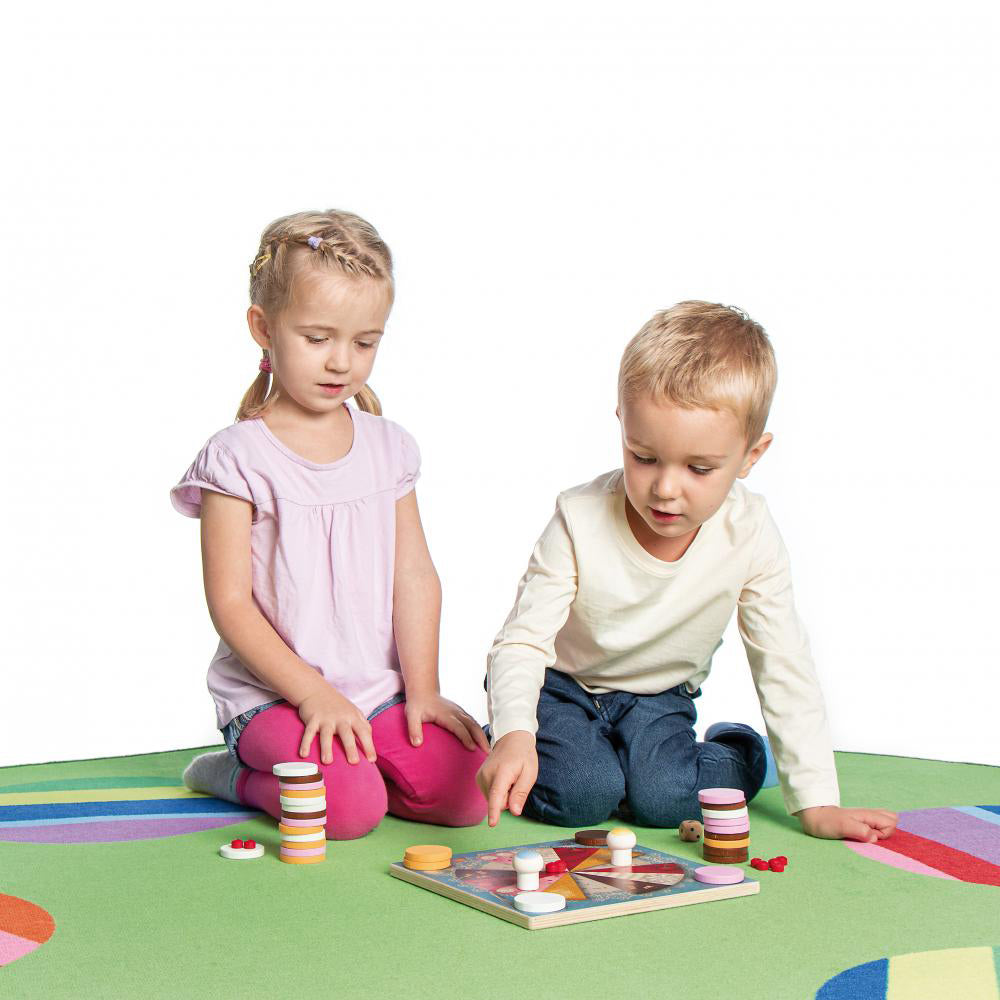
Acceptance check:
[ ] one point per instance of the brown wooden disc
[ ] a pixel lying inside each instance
(591, 838)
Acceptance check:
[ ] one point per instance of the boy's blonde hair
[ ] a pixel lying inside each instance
(702, 355)
(331, 240)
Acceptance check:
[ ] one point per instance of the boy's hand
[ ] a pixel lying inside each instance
(508, 774)
(326, 711)
(447, 715)
(834, 823)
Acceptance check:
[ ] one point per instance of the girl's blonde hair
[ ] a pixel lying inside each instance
(332, 240)
(702, 355)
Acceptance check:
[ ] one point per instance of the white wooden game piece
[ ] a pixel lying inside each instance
(527, 865)
(242, 853)
(535, 903)
(621, 842)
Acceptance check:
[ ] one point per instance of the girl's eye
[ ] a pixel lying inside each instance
(316, 340)
(641, 460)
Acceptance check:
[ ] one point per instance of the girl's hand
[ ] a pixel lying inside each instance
(508, 774)
(447, 715)
(326, 711)
(834, 823)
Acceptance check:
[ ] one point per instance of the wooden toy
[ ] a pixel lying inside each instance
(690, 831)
(591, 887)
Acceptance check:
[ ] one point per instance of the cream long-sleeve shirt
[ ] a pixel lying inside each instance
(595, 605)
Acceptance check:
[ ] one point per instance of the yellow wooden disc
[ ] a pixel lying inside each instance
(282, 828)
(432, 853)
(426, 866)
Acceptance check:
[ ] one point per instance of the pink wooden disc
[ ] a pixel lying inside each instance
(720, 796)
(719, 874)
(727, 829)
(315, 821)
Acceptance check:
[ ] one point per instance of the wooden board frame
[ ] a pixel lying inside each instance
(687, 892)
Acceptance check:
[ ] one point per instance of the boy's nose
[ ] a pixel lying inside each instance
(664, 488)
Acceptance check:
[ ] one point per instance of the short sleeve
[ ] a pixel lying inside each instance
(409, 471)
(215, 468)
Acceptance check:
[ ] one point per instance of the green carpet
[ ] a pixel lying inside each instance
(169, 918)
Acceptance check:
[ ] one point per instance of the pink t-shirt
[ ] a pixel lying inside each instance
(322, 543)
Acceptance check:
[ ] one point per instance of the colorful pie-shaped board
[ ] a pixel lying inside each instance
(24, 927)
(591, 886)
(955, 842)
(966, 973)
(102, 810)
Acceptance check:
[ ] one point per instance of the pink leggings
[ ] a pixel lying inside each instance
(432, 783)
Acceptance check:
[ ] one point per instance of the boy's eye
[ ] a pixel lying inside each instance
(641, 460)
(365, 344)
(700, 472)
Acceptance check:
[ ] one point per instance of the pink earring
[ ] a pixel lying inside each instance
(265, 364)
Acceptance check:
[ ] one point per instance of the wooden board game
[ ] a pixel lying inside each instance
(593, 889)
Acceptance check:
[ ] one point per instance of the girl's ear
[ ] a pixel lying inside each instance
(257, 321)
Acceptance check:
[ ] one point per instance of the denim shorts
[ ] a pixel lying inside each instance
(233, 729)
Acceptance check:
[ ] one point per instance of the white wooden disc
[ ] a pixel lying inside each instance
(241, 853)
(308, 805)
(539, 902)
(294, 838)
(295, 769)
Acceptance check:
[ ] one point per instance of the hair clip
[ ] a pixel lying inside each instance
(314, 241)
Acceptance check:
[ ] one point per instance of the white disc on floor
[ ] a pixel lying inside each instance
(241, 853)
(534, 903)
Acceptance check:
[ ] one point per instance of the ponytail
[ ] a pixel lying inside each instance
(255, 400)
(367, 401)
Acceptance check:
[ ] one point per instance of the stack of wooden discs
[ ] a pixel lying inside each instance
(427, 857)
(303, 813)
(727, 825)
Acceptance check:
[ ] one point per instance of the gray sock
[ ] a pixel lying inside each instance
(215, 774)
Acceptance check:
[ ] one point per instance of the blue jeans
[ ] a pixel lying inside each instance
(634, 754)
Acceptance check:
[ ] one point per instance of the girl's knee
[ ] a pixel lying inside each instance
(356, 799)
(350, 824)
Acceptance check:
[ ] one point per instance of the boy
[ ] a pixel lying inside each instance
(591, 680)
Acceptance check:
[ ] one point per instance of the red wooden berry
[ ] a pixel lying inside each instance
(556, 868)
(776, 865)
(249, 844)
(237, 844)
(782, 859)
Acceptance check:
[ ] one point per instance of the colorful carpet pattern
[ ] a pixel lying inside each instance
(954, 842)
(965, 973)
(105, 810)
(23, 928)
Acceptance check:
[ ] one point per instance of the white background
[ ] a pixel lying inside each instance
(547, 176)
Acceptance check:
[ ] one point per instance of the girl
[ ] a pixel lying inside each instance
(317, 574)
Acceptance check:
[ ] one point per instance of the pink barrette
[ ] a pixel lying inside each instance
(265, 364)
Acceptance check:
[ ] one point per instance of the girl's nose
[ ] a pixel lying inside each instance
(339, 360)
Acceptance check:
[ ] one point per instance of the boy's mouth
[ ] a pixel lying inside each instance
(662, 515)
